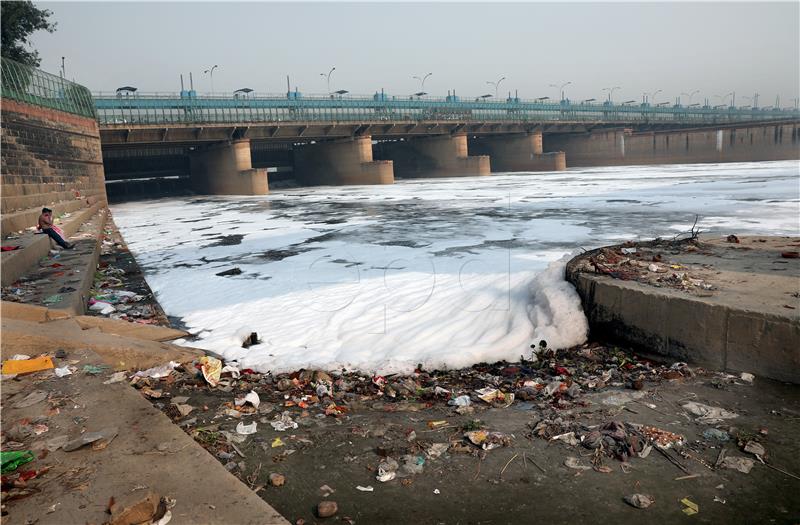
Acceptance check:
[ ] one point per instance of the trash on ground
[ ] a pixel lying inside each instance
(63, 371)
(99, 440)
(158, 371)
(94, 370)
(246, 430)
(326, 509)
(116, 377)
(755, 448)
(743, 465)
(574, 463)
(31, 399)
(12, 460)
(211, 368)
(25, 366)
(277, 480)
(690, 508)
(283, 422)
(707, 413)
(487, 440)
(251, 397)
(716, 434)
(640, 501)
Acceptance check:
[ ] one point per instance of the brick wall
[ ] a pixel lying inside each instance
(48, 157)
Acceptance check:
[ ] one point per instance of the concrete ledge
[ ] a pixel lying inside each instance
(122, 352)
(709, 331)
(128, 329)
(30, 312)
(149, 450)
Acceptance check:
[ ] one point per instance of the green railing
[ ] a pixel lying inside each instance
(184, 108)
(33, 86)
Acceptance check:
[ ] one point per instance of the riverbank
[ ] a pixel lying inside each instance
(491, 443)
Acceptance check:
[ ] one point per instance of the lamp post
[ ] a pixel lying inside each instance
(690, 95)
(611, 92)
(725, 96)
(652, 95)
(561, 88)
(496, 85)
(211, 74)
(422, 81)
(328, 78)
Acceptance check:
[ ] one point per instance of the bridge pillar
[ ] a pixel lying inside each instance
(518, 152)
(225, 168)
(437, 156)
(341, 162)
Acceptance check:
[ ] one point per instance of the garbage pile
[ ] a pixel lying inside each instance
(119, 290)
(238, 403)
(648, 263)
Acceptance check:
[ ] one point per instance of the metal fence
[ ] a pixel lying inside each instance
(157, 109)
(33, 86)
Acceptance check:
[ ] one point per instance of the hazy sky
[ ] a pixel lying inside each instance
(676, 47)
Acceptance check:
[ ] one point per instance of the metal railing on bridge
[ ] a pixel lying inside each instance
(33, 86)
(189, 108)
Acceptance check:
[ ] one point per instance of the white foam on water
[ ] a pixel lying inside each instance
(446, 272)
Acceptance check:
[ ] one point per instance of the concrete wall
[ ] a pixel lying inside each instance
(521, 152)
(740, 144)
(437, 156)
(225, 169)
(682, 327)
(47, 158)
(340, 162)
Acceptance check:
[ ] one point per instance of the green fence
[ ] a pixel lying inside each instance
(33, 86)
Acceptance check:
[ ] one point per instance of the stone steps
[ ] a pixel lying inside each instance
(74, 277)
(17, 190)
(21, 220)
(34, 246)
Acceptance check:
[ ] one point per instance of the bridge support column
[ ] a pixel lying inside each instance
(438, 156)
(519, 152)
(226, 169)
(341, 162)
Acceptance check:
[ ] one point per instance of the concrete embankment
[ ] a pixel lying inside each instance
(726, 305)
(149, 454)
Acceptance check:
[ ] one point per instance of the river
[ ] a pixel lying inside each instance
(445, 272)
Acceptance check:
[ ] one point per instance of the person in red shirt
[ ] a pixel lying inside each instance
(52, 231)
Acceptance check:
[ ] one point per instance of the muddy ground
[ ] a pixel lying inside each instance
(328, 456)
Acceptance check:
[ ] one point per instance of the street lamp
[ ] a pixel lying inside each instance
(328, 78)
(211, 72)
(648, 96)
(725, 96)
(496, 85)
(611, 91)
(422, 81)
(690, 95)
(561, 88)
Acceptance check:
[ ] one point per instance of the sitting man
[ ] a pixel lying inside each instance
(52, 231)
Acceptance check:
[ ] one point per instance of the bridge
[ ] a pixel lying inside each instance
(343, 139)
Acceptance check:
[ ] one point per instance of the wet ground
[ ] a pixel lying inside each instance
(340, 443)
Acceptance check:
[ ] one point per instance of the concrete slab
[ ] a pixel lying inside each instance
(119, 352)
(732, 306)
(128, 329)
(149, 453)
